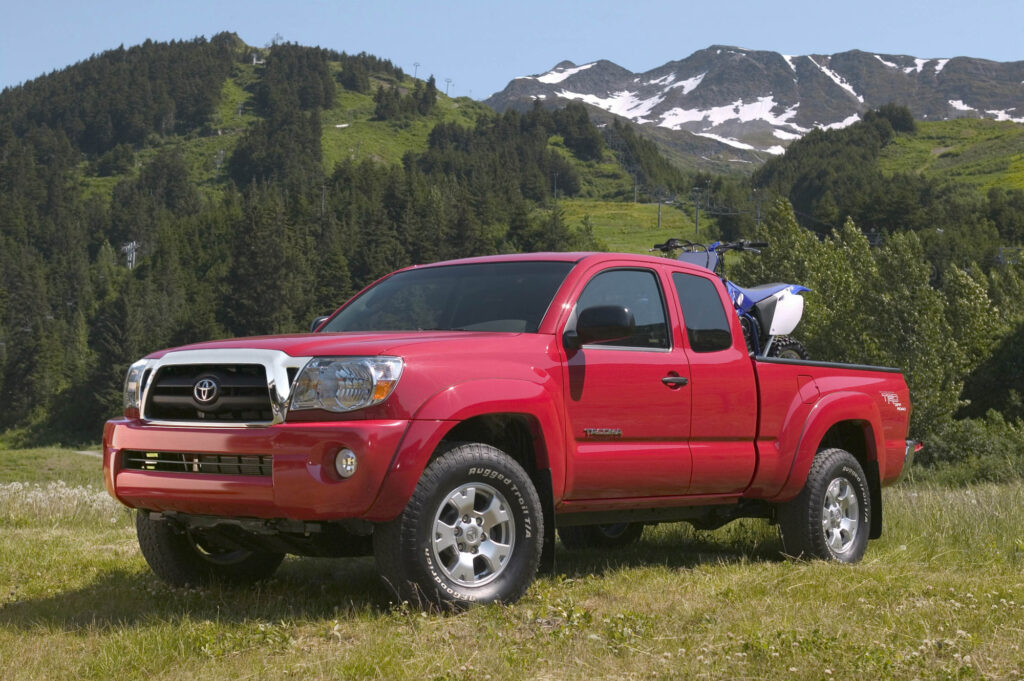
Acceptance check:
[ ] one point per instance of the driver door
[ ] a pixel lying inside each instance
(627, 402)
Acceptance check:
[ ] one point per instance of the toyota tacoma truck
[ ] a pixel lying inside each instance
(449, 417)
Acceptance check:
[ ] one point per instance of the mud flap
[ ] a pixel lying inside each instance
(545, 490)
(874, 482)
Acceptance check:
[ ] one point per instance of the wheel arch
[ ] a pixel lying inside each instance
(849, 421)
(517, 417)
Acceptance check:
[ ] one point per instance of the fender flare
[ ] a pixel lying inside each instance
(458, 403)
(834, 408)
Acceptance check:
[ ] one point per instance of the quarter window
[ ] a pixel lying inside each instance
(707, 326)
(638, 291)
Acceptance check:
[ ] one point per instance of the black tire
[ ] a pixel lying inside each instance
(471, 502)
(182, 558)
(831, 517)
(787, 347)
(610, 536)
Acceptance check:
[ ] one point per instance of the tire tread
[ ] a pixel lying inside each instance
(800, 519)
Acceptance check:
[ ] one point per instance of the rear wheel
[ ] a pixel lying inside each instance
(471, 533)
(182, 557)
(600, 536)
(831, 517)
(787, 347)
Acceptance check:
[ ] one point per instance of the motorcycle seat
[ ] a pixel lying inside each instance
(756, 294)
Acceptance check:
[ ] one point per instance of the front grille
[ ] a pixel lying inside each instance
(238, 393)
(210, 464)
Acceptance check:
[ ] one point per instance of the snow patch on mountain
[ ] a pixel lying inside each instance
(1004, 115)
(845, 123)
(762, 109)
(960, 106)
(887, 63)
(917, 67)
(558, 75)
(664, 80)
(688, 85)
(940, 64)
(736, 144)
(623, 103)
(838, 80)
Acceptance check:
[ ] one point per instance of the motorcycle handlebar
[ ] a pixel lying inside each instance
(751, 246)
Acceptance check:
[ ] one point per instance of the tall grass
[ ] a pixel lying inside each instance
(941, 595)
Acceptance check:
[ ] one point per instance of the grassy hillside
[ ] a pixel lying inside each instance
(348, 131)
(980, 152)
(633, 227)
(939, 596)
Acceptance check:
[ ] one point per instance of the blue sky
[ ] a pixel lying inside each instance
(482, 45)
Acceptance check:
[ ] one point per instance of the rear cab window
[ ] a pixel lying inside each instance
(707, 325)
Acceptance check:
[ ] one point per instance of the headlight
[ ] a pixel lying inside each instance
(133, 385)
(345, 383)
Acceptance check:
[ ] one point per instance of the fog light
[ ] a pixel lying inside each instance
(345, 463)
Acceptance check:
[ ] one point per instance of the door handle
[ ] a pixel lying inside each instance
(675, 381)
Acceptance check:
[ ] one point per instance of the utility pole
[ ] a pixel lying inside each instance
(634, 187)
(695, 194)
(447, 83)
(130, 249)
(415, 68)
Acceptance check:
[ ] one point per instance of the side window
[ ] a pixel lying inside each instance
(707, 325)
(638, 291)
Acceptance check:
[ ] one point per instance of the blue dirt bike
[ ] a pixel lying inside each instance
(767, 313)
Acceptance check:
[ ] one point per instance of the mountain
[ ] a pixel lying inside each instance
(748, 103)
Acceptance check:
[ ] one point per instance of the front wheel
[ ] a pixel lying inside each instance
(831, 517)
(182, 557)
(787, 347)
(471, 533)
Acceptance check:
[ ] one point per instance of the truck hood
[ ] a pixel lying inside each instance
(345, 343)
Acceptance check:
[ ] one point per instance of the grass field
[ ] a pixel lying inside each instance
(940, 596)
(633, 227)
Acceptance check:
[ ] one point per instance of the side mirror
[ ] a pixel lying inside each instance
(600, 323)
(317, 322)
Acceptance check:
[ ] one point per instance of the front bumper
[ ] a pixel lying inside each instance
(302, 484)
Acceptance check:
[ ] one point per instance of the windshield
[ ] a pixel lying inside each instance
(503, 296)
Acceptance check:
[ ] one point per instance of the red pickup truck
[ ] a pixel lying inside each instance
(450, 416)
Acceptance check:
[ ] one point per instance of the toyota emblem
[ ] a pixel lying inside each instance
(205, 390)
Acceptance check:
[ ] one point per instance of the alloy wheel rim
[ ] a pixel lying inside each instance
(840, 517)
(473, 534)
